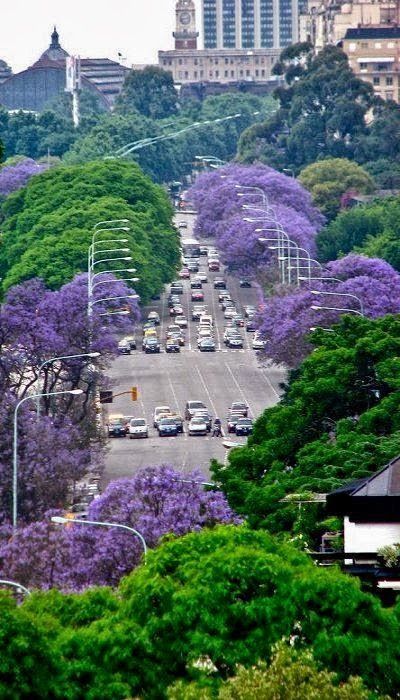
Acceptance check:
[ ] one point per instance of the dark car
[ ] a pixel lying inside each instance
(167, 426)
(232, 420)
(214, 266)
(193, 406)
(196, 284)
(219, 283)
(239, 407)
(207, 345)
(151, 345)
(244, 283)
(203, 250)
(175, 289)
(117, 428)
(172, 345)
(244, 426)
(178, 420)
(251, 326)
(193, 266)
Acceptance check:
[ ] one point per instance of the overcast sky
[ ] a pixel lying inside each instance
(89, 28)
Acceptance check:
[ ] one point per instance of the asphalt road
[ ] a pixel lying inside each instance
(217, 379)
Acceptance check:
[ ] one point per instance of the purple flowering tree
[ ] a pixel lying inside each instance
(13, 177)
(221, 214)
(156, 502)
(286, 318)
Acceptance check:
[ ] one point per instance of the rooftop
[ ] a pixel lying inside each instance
(381, 32)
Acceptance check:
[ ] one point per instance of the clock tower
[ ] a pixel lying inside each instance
(185, 34)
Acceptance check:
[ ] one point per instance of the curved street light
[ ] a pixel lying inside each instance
(18, 586)
(74, 392)
(340, 294)
(61, 520)
(317, 307)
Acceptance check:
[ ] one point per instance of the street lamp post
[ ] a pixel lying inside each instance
(18, 586)
(340, 294)
(317, 307)
(56, 359)
(61, 520)
(74, 392)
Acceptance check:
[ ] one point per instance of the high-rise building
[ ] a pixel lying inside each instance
(250, 24)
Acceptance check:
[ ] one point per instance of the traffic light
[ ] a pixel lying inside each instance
(134, 393)
(106, 397)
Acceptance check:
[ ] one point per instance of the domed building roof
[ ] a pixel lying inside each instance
(54, 53)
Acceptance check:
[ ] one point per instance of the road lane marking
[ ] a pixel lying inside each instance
(206, 390)
(240, 390)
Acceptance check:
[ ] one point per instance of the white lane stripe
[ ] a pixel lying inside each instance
(173, 392)
(207, 391)
(268, 381)
(247, 402)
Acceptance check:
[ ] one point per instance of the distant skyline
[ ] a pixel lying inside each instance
(89, 28)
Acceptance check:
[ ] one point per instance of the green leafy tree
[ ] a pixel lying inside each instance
(150, 92)
(329, 179)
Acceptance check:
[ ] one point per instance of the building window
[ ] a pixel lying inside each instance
(226, 61)
(352, 47)
(217, 73)
(247, 73)
(241, 73)
(378, 45)
(257, 72)
(180, 61)
(186, 74)
(391, 45)
(363, 66)
(226, 74)
(263, 73)
(210, 74)
(377, 80)
(195, 61)
(195, 74)
(364, 44)
(389, 80)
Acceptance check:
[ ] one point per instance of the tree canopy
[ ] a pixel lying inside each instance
(150, 92)
(48, 225)
(329, 179)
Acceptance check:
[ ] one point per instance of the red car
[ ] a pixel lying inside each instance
(184, 274)
(213, 265)
(197, 295)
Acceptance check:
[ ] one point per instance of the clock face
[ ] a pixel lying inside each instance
(184, 18)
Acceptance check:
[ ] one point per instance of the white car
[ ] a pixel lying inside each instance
(181, 321)
(159, 411)
(258, 343)
(230, 312)
(138, 428)
(202, 276)
(197, 426)
(206, 320)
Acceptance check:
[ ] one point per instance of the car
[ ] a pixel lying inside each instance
(167, 427)
(206, 345)
(184, 274)
(239, 407)
(205, 415)
(203, 250)
(176, 287)
(238, 320)
(223, 295)
(251, 326)
(176, 310)
(232, 420)
(196, 295)
(154, 316)
(214, 266)
(230, 332)
(138, 428)
(124, 347)
(258, 342)
(116, 426)
(150, 332)
(249, 310)
(182, 224)
(202, 334)
(197, 426)
(172, 345)
(196, 284)
(148, 324)
(227, 304)
(230, 312)
(219, 283)
(198, 312)
(131, 340)
(206, 318)
(244, 426)
(203, 277)
(193, 266)
(181, 321)
(244, 283)
(178, 337)
(173, 328)
(158, 411)
(212, 252)
(152, 345)
(192, 406)
(178, 420)
(234, 341)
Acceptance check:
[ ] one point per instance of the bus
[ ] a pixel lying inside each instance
(190, 248)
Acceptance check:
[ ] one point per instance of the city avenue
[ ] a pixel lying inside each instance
(217, 378)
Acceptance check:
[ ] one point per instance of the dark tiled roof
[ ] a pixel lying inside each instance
(373, 33)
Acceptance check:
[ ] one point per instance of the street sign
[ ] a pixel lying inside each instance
(134, 393)
(106, 397)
